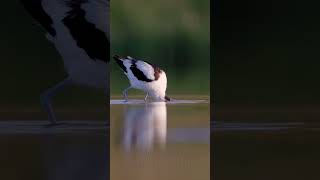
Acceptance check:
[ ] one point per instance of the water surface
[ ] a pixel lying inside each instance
(265, 143)
(158, 140)
(75, 151)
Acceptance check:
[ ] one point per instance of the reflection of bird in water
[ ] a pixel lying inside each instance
(144, 76)
(145, 125)
(79, 29)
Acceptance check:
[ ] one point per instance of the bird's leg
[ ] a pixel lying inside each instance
(46, 99)
(125, 93)
(145, 98)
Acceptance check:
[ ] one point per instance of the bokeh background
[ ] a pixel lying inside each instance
(29, 65)
(266, 52)
(266, 60)
(266, 70)
(175, 35)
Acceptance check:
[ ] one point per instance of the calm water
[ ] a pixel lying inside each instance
(153, 141)
(268, 143)
(160, 141)
(263, 155)
(37, 152)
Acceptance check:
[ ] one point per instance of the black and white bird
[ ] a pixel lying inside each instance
(79, 30)
(144, 76)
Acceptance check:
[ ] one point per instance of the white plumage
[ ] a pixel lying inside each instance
(82, 68)
(144, 76)
(79, 29)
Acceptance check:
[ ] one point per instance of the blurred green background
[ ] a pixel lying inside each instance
(175, 35)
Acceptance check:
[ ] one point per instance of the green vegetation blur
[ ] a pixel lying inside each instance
(175, 35)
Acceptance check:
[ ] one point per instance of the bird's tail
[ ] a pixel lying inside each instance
(119, 61)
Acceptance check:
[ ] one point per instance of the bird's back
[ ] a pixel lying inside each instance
(138, 69)
(79, 29)
(144, 76)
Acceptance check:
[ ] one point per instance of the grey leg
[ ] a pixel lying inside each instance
(145, 98)
(46, 99)
(125, 93)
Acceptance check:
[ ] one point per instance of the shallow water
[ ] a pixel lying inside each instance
(160, 140)
(139, 101)
(291, 153)
(265, 143)
(148, 141)
(53, 152)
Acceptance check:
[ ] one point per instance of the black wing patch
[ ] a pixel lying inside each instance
(120, 63)
(35, 9)
(157, 70)
(137, 73)
(91, 39)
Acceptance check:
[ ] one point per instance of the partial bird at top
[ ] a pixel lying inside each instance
(79, 29)
(144, 76)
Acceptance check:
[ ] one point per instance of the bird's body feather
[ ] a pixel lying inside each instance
(79, 29)
(81, 36)
(144, 76)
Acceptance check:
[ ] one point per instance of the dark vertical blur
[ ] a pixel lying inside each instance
(266, 52)
(266, 61)
(29, 64)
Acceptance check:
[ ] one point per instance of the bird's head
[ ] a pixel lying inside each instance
(163, 98)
